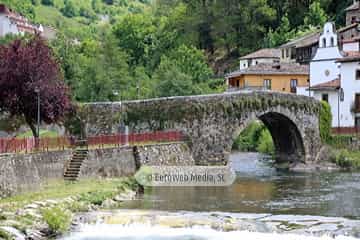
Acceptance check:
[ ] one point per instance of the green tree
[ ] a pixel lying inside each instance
(135, 34)
(281, 35)
(325, 121)
(316, 15)
(71, 8)
(192, 62)
(171, 81)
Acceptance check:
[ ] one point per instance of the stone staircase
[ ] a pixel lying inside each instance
(74, 166)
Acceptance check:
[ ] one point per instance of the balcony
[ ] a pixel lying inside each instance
(247, 89)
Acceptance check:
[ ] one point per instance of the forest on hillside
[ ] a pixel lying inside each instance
(129, 49)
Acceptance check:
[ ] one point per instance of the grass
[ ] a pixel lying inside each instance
(62, 189)
(58, 215)
(51, 16)
(43, 133)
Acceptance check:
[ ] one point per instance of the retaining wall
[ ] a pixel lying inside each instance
(26, 172)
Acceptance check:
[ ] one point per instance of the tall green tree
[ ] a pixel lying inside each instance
(281, 35)
(135, 34)
(171, 81)
(316, 15)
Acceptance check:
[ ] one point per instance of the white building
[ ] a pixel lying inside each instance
(335, 78)
(266, 55)
(350, 83)
(13, 23)
(323, 67)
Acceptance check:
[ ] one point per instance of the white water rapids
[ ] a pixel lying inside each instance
(142, 232)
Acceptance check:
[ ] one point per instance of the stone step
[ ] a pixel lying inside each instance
(72, 171)
(78, 163)
(73, 168)
(77, 160)
(70, 179)
(82, 152)
(71, 175)
(79, 155)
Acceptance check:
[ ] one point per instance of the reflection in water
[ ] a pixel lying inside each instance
(259, 188)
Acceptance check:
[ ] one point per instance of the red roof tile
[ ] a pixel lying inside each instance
(273, 69)
(334, 84)
(350, 56)
(263, 53)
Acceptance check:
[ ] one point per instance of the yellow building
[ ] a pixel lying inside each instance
(281, 77)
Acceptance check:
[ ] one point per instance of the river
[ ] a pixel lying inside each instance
(263, 203)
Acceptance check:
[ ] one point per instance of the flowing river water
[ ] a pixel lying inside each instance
(263, 203)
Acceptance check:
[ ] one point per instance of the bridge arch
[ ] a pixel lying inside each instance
(288, 141)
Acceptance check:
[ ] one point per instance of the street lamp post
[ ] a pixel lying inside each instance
(138, 89)
(37, 91)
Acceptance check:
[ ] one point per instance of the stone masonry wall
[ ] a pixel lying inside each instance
(26, 172)
(110, 162)
(177, 154)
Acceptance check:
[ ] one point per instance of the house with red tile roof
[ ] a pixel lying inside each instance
(12, 22)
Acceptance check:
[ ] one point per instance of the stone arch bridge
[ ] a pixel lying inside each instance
(212, 122)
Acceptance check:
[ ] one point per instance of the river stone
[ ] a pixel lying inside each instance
(108, 203)
(33, 213)
(52, 202)
(32, 206)
(16, 234)
(127, 196)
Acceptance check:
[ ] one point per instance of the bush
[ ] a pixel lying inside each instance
(266, 144)
(248, 140)
(255, 138)
(347, 159)
(5, 235)
(325, 122)
(340, 141)
(96, 198)
(57, 218)
(78, 206)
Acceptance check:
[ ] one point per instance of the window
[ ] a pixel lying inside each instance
(324, 42)
(357, 74)
(353, 19)
(332, 43)
(293, 85)
(287, 53)
(357, 103)
(325, 97)
(293, 53)
(238, 83)
(357, 123)
(283, 53)
(267, 84)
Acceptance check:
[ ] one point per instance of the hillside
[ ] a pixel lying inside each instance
(112, 49)
(76, 19)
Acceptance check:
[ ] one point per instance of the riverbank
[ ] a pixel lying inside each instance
(49, 212)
